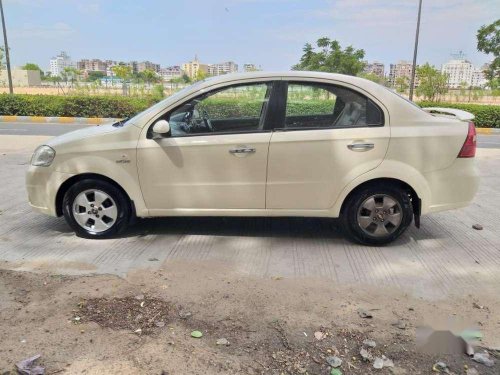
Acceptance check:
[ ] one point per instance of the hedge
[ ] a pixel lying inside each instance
(487, 116)
(72, 105)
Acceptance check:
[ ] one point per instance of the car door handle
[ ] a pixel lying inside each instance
(360, 146)
(242, 150)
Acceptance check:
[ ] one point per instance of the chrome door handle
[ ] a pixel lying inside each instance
(242, 150)
(360, 146)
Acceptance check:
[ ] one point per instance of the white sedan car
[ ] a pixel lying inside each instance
(264, 144)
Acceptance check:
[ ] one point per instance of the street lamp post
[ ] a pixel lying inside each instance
(414, 66)
(6, 45)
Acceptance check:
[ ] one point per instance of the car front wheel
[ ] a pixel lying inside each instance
(96, 209)
(377, 214)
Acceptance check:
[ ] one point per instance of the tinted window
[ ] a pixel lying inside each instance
(230, 110)
(312, 105)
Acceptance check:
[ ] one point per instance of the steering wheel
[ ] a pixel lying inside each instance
(206, 120)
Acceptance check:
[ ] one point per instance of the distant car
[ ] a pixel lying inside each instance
(264, 144)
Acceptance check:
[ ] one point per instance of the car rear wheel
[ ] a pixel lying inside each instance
(377, 214)
(96, 209)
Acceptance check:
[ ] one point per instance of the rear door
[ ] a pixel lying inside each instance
(328, 135)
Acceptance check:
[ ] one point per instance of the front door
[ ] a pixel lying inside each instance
(330, 135)
(215, 157)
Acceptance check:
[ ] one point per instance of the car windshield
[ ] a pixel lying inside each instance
(161, 104)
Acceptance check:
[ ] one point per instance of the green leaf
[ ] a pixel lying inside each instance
(335, 371)
(196, 334)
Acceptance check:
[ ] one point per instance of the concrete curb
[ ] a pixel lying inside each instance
(57, 120)
(487, 131)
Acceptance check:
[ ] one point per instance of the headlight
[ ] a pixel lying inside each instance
(43, 156)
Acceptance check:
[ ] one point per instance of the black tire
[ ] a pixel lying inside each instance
(349, 215)
(120, 200)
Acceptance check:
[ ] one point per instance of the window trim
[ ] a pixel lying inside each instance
(265, 129)
(283, 127)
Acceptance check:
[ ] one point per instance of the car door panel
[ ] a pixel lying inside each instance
(308, 169)
(201, 173)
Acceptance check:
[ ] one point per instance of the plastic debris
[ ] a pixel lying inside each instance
(387, 362)
(184, 314)
(334, 361)
(335, 371)
(484, 359)
(27, 366)
(440, 367)
(196, 334)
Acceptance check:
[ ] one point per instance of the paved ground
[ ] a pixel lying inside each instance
(445, 256)
(484, 141)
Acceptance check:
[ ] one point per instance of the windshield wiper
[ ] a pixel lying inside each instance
(121, 122)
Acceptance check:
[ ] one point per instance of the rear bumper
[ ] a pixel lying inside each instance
(453, 187)
(42, 185)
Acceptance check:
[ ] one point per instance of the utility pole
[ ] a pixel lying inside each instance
(414, 67)
(6, 45)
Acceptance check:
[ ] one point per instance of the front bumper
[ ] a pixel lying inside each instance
(42, 184)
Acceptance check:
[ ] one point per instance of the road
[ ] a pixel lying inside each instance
(21, 128)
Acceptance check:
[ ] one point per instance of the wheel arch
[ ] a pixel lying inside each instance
(66, 185)
(415, 198)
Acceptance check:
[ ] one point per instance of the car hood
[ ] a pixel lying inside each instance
(78, 135)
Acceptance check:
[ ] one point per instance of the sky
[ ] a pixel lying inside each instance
(270, 33)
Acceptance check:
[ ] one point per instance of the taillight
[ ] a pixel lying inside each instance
(469, 148)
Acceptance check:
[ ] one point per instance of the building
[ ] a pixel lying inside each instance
(192, 68)
(147, 65)
(251, 68)
(462, 73)
(376, 68)
(21, 77)
(58, 63)
(171, 72)
(94, 65)
(222, 68)
(401, 69)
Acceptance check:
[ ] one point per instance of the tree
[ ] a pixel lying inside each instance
(95, 76)
(328, 56)
(200, 75)
(488, 41)
(432, 82)
(402, 84)
(149, 76)
(374, 77)
(122, 71)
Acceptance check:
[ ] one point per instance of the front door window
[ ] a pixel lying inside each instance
(236, 109)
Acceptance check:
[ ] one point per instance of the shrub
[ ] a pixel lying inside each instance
(73, 105)
(487, 116)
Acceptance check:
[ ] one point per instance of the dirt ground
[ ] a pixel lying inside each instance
(142, 324)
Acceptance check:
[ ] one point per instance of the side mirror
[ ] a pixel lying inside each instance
(160, 129)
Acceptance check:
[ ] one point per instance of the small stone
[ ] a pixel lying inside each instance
(222, 341)
(365, 354)
(370, 343)
(139, 297)
(184, 314)
(440, 366)
(378, 363)
(472, 371)
(334, 361)
(387, 362)
(365, 314)
(160, 324)
(319, 335)
(477, 227)
(153, 259)
(138, 331)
